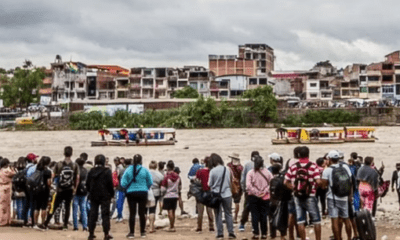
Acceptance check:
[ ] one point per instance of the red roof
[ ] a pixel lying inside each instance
(111, 68)
(47, 81)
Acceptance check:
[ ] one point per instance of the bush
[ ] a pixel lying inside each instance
(186, 92)
(323, 116)
(263, 102)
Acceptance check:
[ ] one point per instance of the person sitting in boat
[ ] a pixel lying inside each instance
(124, 133)
(103, 132)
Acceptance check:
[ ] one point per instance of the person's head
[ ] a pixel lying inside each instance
(195, 161)
(321, 162)
(216, 160)
(122, 161)
(4, 163)
(304, 152)
(80, 162)
(32, 158)
(334, 156)
(153, 165)
(258, 163)
(68, 152)
(137, 159)
(368, 161)
(254, 154)
(296, 152)
(177, 170)
(398, 166)
(170, 165)
(161, 165)
(84, 156)
(354, 156)
(100, 160)
(21, 163)
(275, 169)
(207, 162)
(43, 162)
(275, 158)
(116, 161)
(235, 158)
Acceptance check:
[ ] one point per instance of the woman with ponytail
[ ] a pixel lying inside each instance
(136, 181)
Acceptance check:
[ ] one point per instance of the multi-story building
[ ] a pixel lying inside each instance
(253, 60)
(199, 79)
(47, 82)
(229, 86)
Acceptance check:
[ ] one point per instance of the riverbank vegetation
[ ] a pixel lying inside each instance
(318, 117)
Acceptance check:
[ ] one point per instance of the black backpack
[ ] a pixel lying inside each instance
(278, 189)
(302, 184)
(82, 191)
(19, 180)
(341, 181)
(66, 179)
(35, 183)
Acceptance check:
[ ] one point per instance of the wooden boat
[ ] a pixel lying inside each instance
(325, 135)
(359, 134)
(135, 137)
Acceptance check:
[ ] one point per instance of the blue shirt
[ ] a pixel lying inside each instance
(31, 169)
(193, 170)
(143, 181)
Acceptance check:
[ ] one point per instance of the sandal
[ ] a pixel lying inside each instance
(152, 231)
(255, 237)
(171, 230)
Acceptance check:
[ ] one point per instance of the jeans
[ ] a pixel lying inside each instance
(113, 204)
(79, 202)
(309, 205)
(29, 208)
(120, 203)
(259, 209)
(321, 195)
(226, 206)
(94, 214)
(66, 196)
(246, 211)
(137, 199)
(20, 203)
(200, 211)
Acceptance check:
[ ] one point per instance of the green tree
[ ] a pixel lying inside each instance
(23, 88)
(263, 102)
(3, 71)
(186, 92)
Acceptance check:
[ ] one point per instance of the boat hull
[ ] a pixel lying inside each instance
(360, 140)
(131, 144)
(296, 141)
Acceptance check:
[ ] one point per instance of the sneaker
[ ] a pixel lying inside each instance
(255, 237)
(143, 235)
(36, 227)
(263, 237)
(76, 229)
(130, 236)
(108, 237)
(198, 230)
(241, 228)
(65, 228)
(220, 237)
(119, 220)
(26, 226)
(232, 236)
(85, 230)
(184, 213)
(42, 227)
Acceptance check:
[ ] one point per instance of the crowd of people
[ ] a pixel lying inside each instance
(280, 196)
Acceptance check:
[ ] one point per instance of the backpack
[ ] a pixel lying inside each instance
(302, 184)
(19, 180)
(35, 183)
(81, 190)
(341, 181)
(115, 178)
(278, 190)
(66, 179)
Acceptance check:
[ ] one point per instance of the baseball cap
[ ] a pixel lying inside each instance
(333, 154)
(31, 157)
(275, 157)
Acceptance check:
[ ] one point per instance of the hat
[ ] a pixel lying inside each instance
(341, 154)
(235, 156)
(333, 154)
(31, 157)
(275, 157)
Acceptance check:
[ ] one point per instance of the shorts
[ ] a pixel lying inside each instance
(152, 210)
(338, 209)
(170, 203)
(237, 197)
(292, 207)
(309, 205)
(41, 201)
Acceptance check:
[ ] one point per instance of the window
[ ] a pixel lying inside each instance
(363, 78)
(397, 78)
(387, 78)
(223, 93)
(313, 95)
(253, 81)
(397, 89)
(387, 89)
(193, 85)
(363, 90)
(373, 90)
(263, 81)
(373, 78)
(397, 67)
(80, 85)
(313, 85)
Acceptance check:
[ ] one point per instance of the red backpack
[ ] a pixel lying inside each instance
(115, 178)
(302, 184)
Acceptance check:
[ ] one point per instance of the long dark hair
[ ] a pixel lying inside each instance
(137, 160)
(4, 162)
(44, 162)
(258, 163)
(216, 160)
(21, 163)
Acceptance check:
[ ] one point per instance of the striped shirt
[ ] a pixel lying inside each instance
(313, 174)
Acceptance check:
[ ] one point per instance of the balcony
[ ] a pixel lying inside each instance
(374, 84)
(172, 78)
(147, 86)
(199, 78)
(135, 86)
(374, 73)
(135, 75)
(387, 71)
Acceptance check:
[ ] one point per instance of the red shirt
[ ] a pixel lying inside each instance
(203, 175)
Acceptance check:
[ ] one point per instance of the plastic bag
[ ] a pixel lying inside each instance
(151, 201)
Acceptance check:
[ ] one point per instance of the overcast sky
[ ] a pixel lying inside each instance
(173, 33)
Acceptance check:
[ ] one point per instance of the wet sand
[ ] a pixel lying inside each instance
(200, 143)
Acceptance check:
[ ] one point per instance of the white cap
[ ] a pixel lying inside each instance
(275, 157)
(333, 154)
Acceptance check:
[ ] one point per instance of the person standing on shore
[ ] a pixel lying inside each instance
(79, 201)
(6, 174)
(246, 210)
(219, 182)
(236, 170)
(100, 188)
(170, 186)
(156, 187)
(395, 181)
(67, 173)
(30, 169)
(369, 181)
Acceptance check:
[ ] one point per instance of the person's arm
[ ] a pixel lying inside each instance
(211, 179)
(249, 185)
(149, 180)
(88, 180)
(77, 179)
(243, 178)
(109, 182)
(394, 180)
(288, 180)
(325, 179)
